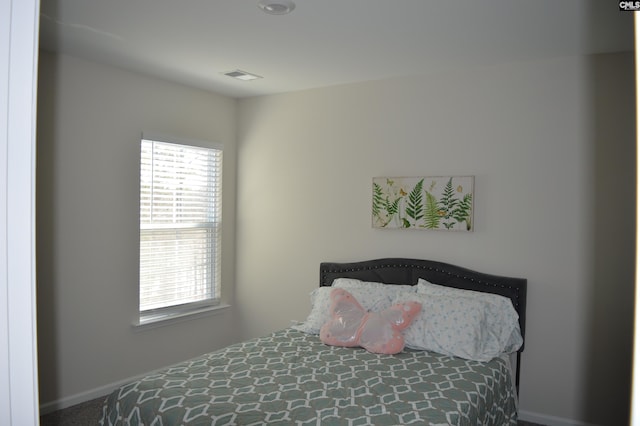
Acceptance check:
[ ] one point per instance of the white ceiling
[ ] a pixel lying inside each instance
(325, 42)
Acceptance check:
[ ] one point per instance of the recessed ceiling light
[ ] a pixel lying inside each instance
(276, 7)
(242, 75)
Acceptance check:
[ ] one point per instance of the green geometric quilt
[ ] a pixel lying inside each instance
(292, 378)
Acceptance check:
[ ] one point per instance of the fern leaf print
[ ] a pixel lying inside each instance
(414, 206)
(431, 215)
(378, 204)
(448, 204)
(441, 202)
(462, 212)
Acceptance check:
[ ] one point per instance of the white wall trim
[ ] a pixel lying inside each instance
(544, 419)
(81, 397)
(18, 77)
(635, 385)
(101, 391)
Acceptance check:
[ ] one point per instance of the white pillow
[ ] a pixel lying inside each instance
(503, 315)
(425, 287)
(465, 327)
(320, 304)
(371, 296)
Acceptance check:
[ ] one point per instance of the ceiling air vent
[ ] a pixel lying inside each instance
(276, 7)
(242, 75)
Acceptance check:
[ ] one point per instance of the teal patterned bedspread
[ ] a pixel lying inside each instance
(292, 378)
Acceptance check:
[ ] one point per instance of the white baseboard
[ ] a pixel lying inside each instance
(98, 392)
(79, 398)
(546, 420)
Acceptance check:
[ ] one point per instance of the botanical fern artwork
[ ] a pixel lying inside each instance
(440, 202)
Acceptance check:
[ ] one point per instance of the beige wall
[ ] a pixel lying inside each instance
(90, 119)
(551, 145)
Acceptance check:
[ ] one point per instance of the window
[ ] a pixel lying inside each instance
(180, 227)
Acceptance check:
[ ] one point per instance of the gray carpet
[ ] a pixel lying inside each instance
(89, 413)
(84, 414)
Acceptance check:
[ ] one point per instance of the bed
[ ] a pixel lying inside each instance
(293, 377)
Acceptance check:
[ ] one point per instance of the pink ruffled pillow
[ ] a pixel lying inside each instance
(379, 332)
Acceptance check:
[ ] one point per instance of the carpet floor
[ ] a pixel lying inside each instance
(84, 414)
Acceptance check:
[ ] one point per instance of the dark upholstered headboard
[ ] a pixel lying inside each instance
(407, 271)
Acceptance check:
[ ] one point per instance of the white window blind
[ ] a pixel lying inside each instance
(180, 212)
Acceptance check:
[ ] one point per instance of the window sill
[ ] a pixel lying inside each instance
(172, 318)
